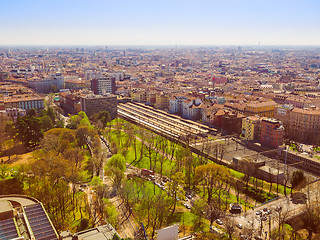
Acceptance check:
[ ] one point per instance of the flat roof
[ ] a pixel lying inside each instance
(5, 206)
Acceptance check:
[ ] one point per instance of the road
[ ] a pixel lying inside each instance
(282, 207)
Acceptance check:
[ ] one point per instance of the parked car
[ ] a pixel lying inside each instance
(187, 206)
(218, 221)
(239, 225)
(258, 212)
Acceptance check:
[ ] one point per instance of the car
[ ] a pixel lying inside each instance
(243, 237)
(81, 189)
(218, 221)
(239, 225)
(265, 209)
(187, 206)
(258, 212)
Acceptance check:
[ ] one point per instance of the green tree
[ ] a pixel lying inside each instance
(198, 211)
(104, 117)
(175, 189)
(115, 168)
(29, 130)
(213, 178)
(46, 123)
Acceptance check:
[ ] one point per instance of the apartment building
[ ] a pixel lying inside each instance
(151, 97)
(232, 122)
(162, 101)
(304, 125)
(26, 102)
(251, 127)
(263, 109)
(52, 83)
(92, 104)
(272, 132)
(73, 82)
(102, 86)
(70, 102)
(192, 109)
(2, 107)
(176, 103)
(139, 95)
(208, 116)
(13, 113)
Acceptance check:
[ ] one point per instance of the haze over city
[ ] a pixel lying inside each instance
(231, 22)
(160, 120)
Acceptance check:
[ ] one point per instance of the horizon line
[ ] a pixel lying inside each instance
(160, 45)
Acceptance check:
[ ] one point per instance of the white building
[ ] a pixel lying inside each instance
(176, 103)
(191, 109)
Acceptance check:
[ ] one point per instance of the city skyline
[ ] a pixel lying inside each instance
(181, 23)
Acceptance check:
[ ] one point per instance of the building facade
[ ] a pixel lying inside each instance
(263, 109)
(176, 103)
(102, 86)
(25, 102)
(52, 83)
(304, 125)
(162, 101)
(251, 128)
(192, 109)
(92, 104)
(272, 133)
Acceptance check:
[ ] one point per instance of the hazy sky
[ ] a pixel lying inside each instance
(152, 22)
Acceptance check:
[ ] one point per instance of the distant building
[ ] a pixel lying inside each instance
(139, 95)
(26, 102)
(304, 125)
(52, 83)
(192, 109)
(102, 86)
(263, 109)
(208, 116)
(2, 107)
(232, 123)
(272, 132)
(176, 104)
(73, 82)
(151, 98)
(70, 102)
(162, 101)
(251, 128)
(13, 113)
(92, 104)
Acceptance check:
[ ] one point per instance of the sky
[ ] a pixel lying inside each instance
(153, 22)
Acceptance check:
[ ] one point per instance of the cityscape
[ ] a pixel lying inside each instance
(165, 121)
